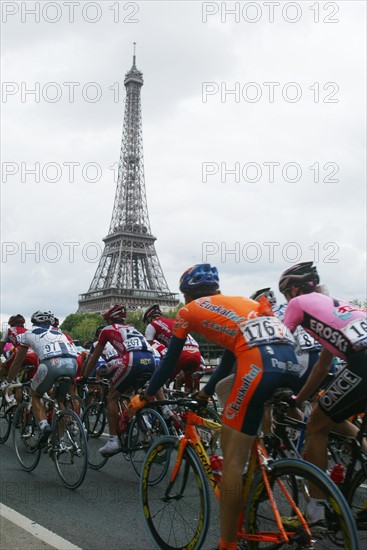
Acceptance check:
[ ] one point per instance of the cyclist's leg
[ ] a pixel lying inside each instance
(236, 447)
(237, 437)
(346, 395)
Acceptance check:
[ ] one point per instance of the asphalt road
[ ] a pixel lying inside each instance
(103, 513)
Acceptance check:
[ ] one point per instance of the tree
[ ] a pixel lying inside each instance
(82, 326)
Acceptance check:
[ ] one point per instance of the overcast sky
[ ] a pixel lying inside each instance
(254, 141)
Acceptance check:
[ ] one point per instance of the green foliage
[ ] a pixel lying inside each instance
(82, 326)
(359, 303)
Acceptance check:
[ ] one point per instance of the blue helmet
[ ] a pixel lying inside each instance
(199, 276)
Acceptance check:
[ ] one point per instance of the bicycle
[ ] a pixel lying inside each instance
(135, 434)
(8, 407)
(347, 461)
(66, 444)
(175, 496)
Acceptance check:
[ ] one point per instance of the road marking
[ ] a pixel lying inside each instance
(36, 530)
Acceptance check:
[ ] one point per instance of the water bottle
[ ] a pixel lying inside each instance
(216, 463)
(337, 474)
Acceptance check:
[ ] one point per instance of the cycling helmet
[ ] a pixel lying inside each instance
(98, 331)
(200, 276)
(42, 317)
(115, 313)
(16, 320)
(303, 275)
(56, 323)
(152, 310)
(267, 292)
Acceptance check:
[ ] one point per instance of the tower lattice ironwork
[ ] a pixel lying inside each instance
(129, 271)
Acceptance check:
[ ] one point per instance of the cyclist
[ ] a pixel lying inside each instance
(262, 348)
(135, 357)
(160, 328)
(341, 328)
(105, 365)
(57, 357)
(16, 327)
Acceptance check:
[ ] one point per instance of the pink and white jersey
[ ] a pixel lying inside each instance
(47, 343)
(124, 338)
(161, 329)
(339, 326)
(13, 332)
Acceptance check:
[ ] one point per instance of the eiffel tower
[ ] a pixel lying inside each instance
(129, 271)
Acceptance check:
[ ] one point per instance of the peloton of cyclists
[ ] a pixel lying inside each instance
(57, 357)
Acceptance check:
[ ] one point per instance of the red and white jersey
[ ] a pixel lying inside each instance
(159, 348)
(161, 329)
(11, 335)
(124, 338)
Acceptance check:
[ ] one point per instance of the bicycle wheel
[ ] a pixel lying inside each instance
(176, 513)
(69, 448)
(26, 434)
(146, 427)
(76, 404)
(294, 473)
(5, 422)
(357, 499)
(95, 423)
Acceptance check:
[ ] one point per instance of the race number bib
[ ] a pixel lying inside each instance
(133, 344)
(266, 330)
(58, 348)
(356, 332)
(305, 340)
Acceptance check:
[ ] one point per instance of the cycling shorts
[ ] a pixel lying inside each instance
(188, 363)
(347, 394)
(130, 367)
(49, 370)
(260, 371)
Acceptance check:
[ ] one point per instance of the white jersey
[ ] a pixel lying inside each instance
(47, 342)
(107, 354)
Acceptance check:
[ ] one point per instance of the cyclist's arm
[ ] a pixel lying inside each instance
(150, 333)
(224, 369)
(93, 359)
(17, 363)
(318, 373)
(165, 369)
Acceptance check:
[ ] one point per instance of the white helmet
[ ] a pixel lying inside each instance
(42, 317)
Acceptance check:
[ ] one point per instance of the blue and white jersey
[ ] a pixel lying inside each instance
(304, 340)
(107, 354)
(47, 342)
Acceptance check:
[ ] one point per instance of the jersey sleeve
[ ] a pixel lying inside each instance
(294, 315)
(150, 332)
(21, 340)
(181, 326)
(103, 337)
